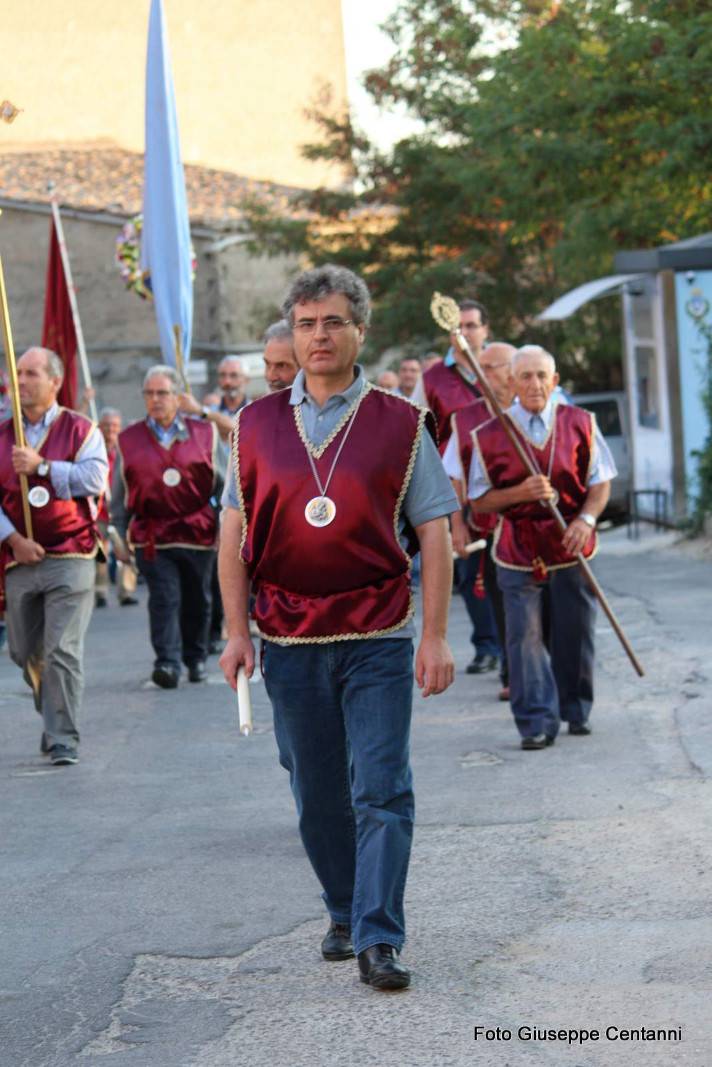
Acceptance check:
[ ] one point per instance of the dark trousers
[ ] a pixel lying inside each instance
(497, 601)
(484, 628)
(216, 611)
(178, 581)
(548, 686)
(342, 723)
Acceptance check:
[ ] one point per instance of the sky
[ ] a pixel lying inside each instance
(367, 47)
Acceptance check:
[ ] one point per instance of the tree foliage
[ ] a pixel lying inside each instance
(552, 134)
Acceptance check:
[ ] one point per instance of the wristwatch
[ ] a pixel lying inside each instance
(205, 412)
(588, 518)
(43, 469)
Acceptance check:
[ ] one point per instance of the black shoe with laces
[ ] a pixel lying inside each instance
(379, 967)
(337, 942)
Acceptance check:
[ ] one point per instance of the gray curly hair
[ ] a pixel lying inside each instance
(323, 281)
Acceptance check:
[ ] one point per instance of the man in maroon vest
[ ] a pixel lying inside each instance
(449, 384)
(530, 551)
(467, 526)
(445, 388)
(334, 484)
(110, 422)
(163, 500)
(49, 577)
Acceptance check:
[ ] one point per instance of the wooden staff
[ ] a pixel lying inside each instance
(15, 398)
(447, 315)
(64, 255)
(180, 363)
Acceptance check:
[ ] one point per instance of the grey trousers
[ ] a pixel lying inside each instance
(49, 605)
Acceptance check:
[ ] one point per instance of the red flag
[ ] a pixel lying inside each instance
(58, 327)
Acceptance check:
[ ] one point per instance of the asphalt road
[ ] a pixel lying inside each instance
(157, 910)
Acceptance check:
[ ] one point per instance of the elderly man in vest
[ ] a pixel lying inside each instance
(530, 551)
(49, 576)
(334, 485)
(162, 500)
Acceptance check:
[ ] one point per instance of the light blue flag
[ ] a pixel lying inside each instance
(165, 236)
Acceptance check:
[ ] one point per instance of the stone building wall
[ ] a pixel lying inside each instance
(236, 297)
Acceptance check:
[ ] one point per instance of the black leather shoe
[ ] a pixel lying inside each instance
(481, 664)
(128, 601)
(579, 729)
(379, 967)
(337, 943)
(197, 672)
(165, 677)
(530, 744)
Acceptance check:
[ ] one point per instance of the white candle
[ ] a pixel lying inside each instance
(244, 702)
(474, 546)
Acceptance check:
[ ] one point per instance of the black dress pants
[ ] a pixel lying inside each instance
(179, 603)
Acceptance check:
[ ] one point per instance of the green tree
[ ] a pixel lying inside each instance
(551, 136)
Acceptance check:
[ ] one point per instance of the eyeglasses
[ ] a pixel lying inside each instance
(160, 393)
(332, 324)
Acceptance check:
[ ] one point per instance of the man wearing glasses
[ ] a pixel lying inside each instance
(450, 385)
(334, 484)
(163, 484)
(445, 388)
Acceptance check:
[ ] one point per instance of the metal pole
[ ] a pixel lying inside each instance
(530, 466)
(15, 398)
(180, 363)
(81, 349)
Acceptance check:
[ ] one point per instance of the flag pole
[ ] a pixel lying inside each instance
(180, 362)
(64, 254)
(15, 398)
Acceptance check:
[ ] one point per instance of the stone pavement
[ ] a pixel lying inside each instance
(158, 911)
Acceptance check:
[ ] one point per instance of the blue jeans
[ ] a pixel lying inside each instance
(342, 722)
(545, 688)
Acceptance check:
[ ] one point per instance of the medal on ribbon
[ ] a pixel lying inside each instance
(171, 477)
(320, 511)
(38, 496)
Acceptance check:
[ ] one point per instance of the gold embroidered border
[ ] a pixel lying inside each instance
(344, 637)
(238, 486)
(56, 555)
(317, 451)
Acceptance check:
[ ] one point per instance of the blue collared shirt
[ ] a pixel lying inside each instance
(85, 477)
(429, 494)
(536, 427)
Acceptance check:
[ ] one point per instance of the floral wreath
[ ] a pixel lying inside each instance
(128, 259)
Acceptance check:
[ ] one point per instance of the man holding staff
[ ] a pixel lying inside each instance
(496, 364)
(334, 485)
(49, 576)
(530, 551)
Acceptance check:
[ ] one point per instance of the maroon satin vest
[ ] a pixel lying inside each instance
(62, 527)
(347, 580)
(464, 423)
(446, 391)
(527, 534)
(164, 515)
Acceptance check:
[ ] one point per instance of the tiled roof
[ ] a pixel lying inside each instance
(106, 178)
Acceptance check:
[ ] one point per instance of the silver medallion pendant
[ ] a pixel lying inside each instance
(38, 496)
(171, 477)
(320, 511)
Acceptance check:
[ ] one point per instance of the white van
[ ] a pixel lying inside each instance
(612, 418)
